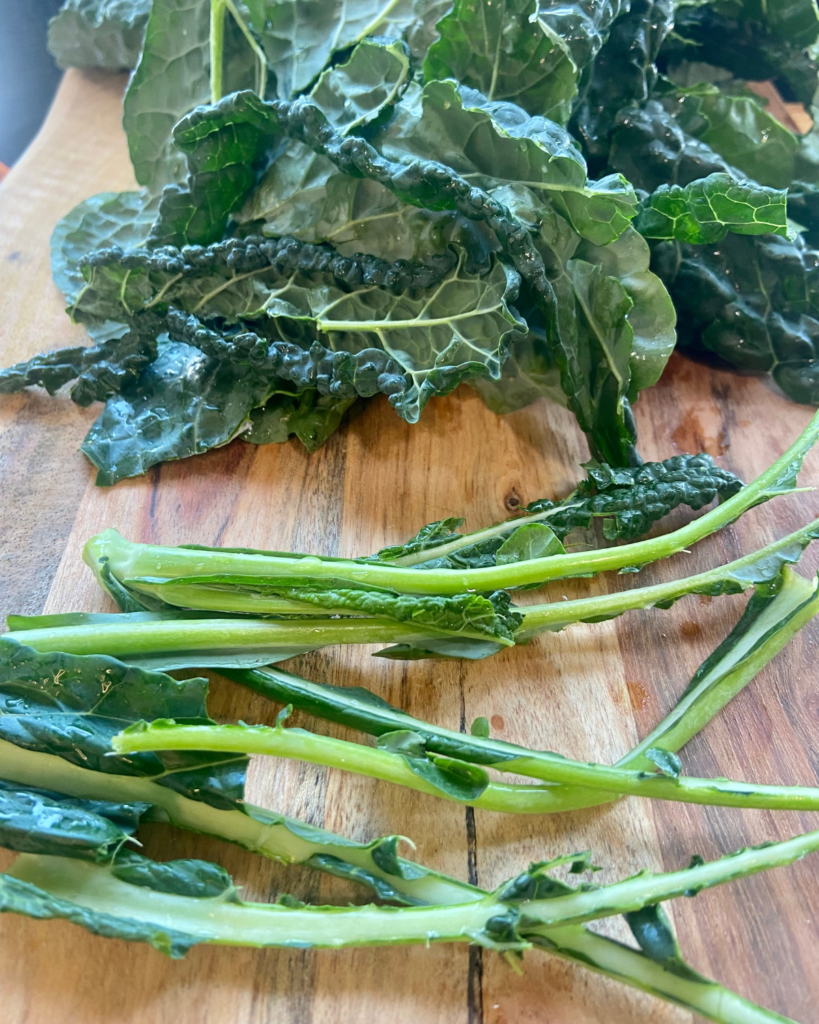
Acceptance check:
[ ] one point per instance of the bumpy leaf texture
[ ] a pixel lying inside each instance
(300, 36)
(706, 210)
(744, 134)
(525, 51)
(623, 73)
(105, 34)
(458, 326)
(497, 143)
(628, 501)
(228, 144)
(754, 302)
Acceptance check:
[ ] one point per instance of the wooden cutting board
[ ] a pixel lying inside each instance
(590, 692)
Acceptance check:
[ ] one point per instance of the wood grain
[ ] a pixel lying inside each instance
(589, 692)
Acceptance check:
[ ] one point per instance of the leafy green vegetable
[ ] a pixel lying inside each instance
(652, 150)
(34, 821)
(60, 887)
(106, 219)
(355, 154)
(300, 36)
(68, 759)
(446, 764)
(74, 710)
(623, 73)
(629, 501)
(749, 40)
(110, 897)
(105, 34)
(493, 143)
(740, 130)
(752, 301)
(358, 91)
(423, 623)
(109, 553)
(99, 370)
(391, 878)
(22, 897)
(172, 77)
(228, 144)
(704, 211)
(435, 337)
(762, 566)
(530, 53)
(309, 416)
(774, 614)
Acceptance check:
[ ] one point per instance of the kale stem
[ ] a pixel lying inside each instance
(130, 562)
(217, 48)
(227, 920)
(390, 766)
(734, 577)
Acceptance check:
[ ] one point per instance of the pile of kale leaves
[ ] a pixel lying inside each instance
(396, 196)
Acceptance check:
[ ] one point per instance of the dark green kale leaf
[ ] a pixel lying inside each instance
(203, 387)
(529, 52)
(705, 210)
(184, 403)
(602, 210)
(38, 821)
(803, 208)
(629, 501)
(105, 34)
(737, 127)
(596, 355)
(754, 301)
(650, 148)
(300, 36)
(19, 897)
(365, 87)
(496, 143)
(623, 73)
(439, 324)
(228, 144)
(308, 415)
(106, 219)
(225, 147)
(71, 706)
(423, 31)
(99, 370)
(174, 75)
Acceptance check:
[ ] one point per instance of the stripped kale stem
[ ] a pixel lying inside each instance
(407, 749)
(97, 897)
(174, 639)
(128, 561)
(774, 615)
(400, 769)
(629, 501)
(283, 839)
(499, 920)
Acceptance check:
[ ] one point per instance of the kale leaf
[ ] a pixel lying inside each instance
(754, 301)
(525, 51)
(105, 34)
(705, 210)
(71, 707)
(628, 501)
